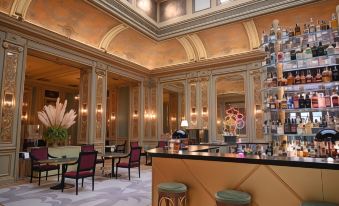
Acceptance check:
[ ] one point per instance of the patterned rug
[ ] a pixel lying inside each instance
(110, 192)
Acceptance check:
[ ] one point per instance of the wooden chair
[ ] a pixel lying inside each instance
(134, 161)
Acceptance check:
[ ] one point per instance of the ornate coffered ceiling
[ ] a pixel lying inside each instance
(236, 11)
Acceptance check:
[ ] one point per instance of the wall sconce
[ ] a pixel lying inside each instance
(135, 114)
(99, 108)
(8, 99)
(113, 116)
(84, 109)
(173, 119)
(77, 97)
(204, 111)
(193, 111)
(218, 121)
(258, 109)
(24, 116)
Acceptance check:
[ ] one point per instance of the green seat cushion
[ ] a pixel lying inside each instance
(318, 204)
(233, 197)
(174, 187)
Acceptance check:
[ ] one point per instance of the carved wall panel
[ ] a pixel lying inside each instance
(99, 107)
(204, 103)
(84, 107)
(9, 87)
(135, 113)
(258, 105)
(153, 109)
(194, 110)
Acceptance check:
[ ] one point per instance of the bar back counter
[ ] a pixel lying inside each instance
(272, 181)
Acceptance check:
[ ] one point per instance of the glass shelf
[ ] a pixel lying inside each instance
(327, 109)
(304, 87)
(310, 63)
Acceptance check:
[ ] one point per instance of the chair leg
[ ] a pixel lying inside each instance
(76, 186)
(31, 174)
(139, 170)
(39, 177)
(93, 183)
(63, 183)
(129, 173)
(46, 174)
(116, 173)
(58, 173)
(82, 182)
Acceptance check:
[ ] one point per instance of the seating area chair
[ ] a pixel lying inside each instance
(86, 168)
(120, 148)
(134, 161)
(134, 144)
(41, 153)
(90, 148)
(162, 144)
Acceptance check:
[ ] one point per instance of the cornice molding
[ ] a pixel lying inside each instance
(217, 18)
(213, 63)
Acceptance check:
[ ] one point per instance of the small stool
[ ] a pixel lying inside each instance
(173, 193)
(232, 198)
(314, 203)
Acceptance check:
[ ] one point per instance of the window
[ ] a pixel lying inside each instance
(200, 5)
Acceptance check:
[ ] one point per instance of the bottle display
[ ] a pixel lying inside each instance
(301, 87)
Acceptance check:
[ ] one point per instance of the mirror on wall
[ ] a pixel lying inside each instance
(231, 110)
(173, 110)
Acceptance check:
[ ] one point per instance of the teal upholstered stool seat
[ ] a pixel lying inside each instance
(172, 193)
(314, 203)
(232, 197)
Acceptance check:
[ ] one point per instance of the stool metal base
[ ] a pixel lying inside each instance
(172, 199)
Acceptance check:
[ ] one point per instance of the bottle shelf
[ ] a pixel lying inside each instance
(294, 135)
(326, 109)
(310, 63)
(311, 87)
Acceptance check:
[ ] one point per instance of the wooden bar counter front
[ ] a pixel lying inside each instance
(270, 181)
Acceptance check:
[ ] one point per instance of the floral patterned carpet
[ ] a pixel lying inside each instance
(110, 192)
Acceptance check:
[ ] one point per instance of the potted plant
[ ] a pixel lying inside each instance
(57, 121)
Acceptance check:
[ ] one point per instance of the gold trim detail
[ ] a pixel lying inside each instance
(110, 35)
(252, 34)
(19, 8)
(188, 48)
(198, 45)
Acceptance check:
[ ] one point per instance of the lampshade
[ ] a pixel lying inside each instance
(184, 123)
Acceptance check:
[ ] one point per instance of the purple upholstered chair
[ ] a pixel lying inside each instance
(90, 148)
(134, 161)
(86, 168)
(41, 153)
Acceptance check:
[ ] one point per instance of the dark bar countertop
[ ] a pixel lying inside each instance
(197, 152)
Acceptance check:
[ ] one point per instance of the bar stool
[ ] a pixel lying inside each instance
(232, 198)
(313, 203)
(173, 193)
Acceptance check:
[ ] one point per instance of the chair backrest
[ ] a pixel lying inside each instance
(87, 161)
(87, 148)
(121, 148)
(135, 154)
(162, 144)
(39, 153)
(134, 144)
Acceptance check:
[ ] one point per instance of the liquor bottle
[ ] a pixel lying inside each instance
(336, 49)
(283, 103)
(307, 101)
(325, 76)
(330, 73)
(283, 81)
(293, 55)
(334, 99)
(320, 50)
(311, 27)
(269, 79)
(309, 77)
(334, 21)
(290, 79)
(314, 51)
(278, 33)
(274, 80)
(280, 128)
(291, 33)
(307, 53)
(306, 29)
(299, 53)
(296, 101)
(323, 25)
(287, 56)
(327, 99)
(264, 37)
(269, 150)
(301, 101)
(315, 103)
(297, 30)
(277, 102)
(302, 78)
(287, 127)
(318, 26)
(330, 50)
(284, 33)
(297, 79)
(318, 77)
(293, 127)
(290, 104)
(321, 100)
(335, 74)
(280, 56)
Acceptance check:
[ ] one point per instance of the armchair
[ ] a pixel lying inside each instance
(121, 148)
(90, 148)
(134, 161)
(41, 153)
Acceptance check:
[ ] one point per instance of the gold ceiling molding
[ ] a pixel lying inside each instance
(252, 34)
(188, 48)
(198, 46)
(19, 8)
(110, 35)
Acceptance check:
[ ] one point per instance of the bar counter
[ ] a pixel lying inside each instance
(278, 181)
